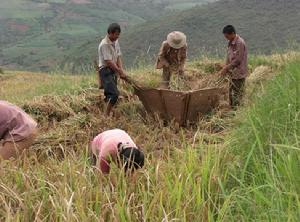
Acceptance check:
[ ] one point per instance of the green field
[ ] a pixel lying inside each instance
(248, 171)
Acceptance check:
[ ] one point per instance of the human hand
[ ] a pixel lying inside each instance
(224, 71)
(122, 75)
(181, 72)
(166, 65)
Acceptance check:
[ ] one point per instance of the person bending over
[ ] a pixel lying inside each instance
(118, 147)
(172, 57)
(17, 131)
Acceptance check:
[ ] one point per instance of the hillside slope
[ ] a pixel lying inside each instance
(247, 172)
(37, 34)
(267, 25)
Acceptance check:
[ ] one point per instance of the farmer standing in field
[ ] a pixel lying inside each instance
(236, 65)
(17, 131)
(110, 65)
(118, 147)
(172, 57)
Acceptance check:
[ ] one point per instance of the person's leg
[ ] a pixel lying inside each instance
(15, 149)
(91, 155)
(241, 91)
(166, 76)
(100, 83)
(109, 108)
(111, 91)
(8, 150)
(236, 92)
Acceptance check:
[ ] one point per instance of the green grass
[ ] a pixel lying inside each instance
(19, 87)
(249, 172)
(266, 144)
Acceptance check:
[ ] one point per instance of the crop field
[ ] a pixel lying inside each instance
(229, 166)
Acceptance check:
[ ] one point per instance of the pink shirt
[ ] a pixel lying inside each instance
(15, 124)
(105, 146)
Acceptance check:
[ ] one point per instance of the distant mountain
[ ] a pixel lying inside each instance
(40, 34)
(266, 25)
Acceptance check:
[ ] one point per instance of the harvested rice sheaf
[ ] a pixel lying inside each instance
(193, 79)
(68, 123)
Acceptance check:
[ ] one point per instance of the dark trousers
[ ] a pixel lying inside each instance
(236, 91)
(110, 85)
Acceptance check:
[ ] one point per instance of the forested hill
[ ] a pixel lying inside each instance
(66, 33)
(267, 25)
(39, 34)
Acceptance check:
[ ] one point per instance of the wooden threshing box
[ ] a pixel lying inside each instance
(183, 107)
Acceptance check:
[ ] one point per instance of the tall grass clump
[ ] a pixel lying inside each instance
(266, 177)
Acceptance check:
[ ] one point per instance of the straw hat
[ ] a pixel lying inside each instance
(176, 39)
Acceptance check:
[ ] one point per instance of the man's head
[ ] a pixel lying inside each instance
(114, 31)
(131, 158)
(229, 32)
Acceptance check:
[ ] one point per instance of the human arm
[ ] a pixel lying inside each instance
(120, 63)
(236, 60)
(183, 57)
(108, 58)
(162, 61)
(104, 165)
(114, 66)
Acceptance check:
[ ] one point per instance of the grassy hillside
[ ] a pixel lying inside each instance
(38, 35)
(265, 178)
(248, 171)
(266, 25)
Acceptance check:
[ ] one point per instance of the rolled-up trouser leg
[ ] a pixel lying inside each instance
(109, 80)
(166, 76)
(12, 149)
(237, 88)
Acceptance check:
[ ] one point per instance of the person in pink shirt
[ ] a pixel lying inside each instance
(17, 130)
(118, 147)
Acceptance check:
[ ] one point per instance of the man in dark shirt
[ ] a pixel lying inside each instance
(236, 65)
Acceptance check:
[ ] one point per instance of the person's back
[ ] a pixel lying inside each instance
(17, 130)
(112, 144)
(15, 124)
(108, 141)
(172, 56)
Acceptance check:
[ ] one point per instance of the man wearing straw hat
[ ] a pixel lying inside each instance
(172, 57)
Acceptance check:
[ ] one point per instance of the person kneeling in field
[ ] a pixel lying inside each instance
(17, 131)
(172, 57)
(118, 147)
